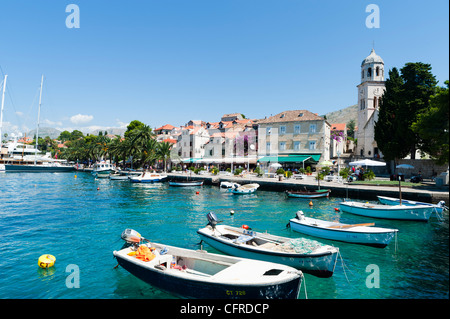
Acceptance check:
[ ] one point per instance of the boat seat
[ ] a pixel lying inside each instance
(243, 239)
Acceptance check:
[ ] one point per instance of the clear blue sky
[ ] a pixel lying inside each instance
(175, 60)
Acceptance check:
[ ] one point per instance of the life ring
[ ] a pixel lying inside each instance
(46, 261)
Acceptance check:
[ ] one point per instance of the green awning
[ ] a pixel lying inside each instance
(190, 160)
(290, 158)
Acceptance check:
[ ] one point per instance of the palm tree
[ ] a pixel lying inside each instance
(143, 144)
(116, 149)
(148, 153)
(163, 152)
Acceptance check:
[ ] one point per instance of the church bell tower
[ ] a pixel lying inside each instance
(369, 95)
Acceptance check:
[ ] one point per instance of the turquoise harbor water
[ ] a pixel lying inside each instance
(69, 218)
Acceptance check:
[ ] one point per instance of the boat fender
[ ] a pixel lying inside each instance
(46, 261)
(245, 226)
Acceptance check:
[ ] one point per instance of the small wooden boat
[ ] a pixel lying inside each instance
(147, 177)
(245, 189)
(307, 255)
(186, 183)
(439, 207)
(362, 234)
(403, 212)
(309, 194)
(199, 274)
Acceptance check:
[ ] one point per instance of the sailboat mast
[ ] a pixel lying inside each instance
(1, 111)
(39, 115)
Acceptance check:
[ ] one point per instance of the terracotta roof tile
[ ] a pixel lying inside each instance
(292, 116)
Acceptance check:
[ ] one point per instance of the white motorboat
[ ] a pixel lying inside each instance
(102, 169)
(45, 167)
(308, 255)
(363, 234)
(439, 207)
(199, 274)
(245, 189)
(403, 212)
(147, 177)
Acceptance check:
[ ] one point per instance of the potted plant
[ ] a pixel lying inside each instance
(280, 173)
(258, 171)
(308, 170)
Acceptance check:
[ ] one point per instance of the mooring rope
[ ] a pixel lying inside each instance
(343, 266)
(395, 243)
(438, 216)
(304, 281)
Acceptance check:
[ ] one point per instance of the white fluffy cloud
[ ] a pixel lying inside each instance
(81, 119)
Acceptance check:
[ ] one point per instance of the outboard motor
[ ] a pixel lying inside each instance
(212, 219)
(442, 204)
(131, 236)
(300, 215)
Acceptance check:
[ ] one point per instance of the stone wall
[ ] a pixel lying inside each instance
(427, 167)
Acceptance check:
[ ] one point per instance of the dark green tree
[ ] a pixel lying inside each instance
(432, 126)
(64, 136)
(351, 128)
(419, 85)
(406, 96)
(76, 135)
(132, 126)
(387, 133)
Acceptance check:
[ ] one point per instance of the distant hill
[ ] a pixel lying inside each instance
(45, 131)
(343, 116)
(111, 130)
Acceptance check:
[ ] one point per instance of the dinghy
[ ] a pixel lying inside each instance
(123, 175)
(147, 177)
(245, 189)
(440, 207)
(307, 255)
(186, 183)
(403, 212)
(309, 194)
(199, 274)
(363, 234)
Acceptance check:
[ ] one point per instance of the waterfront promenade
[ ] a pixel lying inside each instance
(425, 193)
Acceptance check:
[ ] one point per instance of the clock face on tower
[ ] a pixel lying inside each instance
(377, 91)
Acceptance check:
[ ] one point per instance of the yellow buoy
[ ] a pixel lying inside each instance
(310, 203)
(46, 261)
